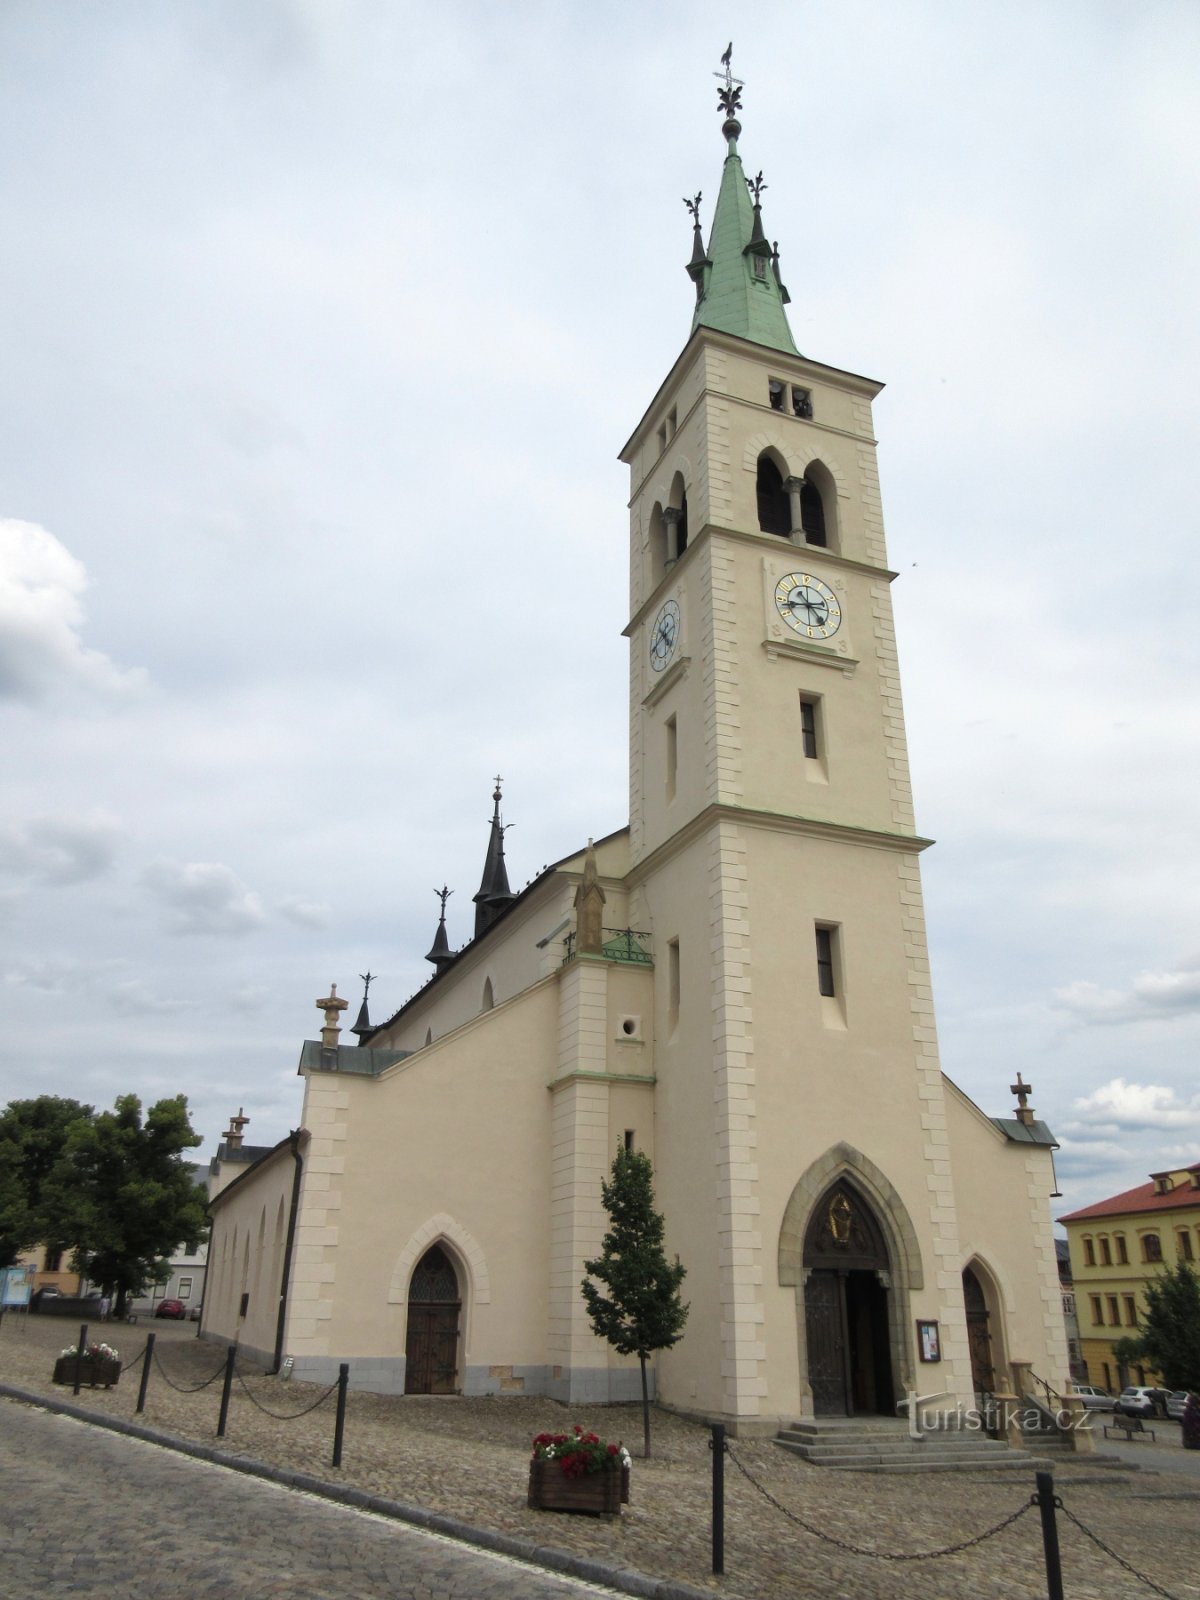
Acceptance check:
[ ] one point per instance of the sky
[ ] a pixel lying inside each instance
(322, 326)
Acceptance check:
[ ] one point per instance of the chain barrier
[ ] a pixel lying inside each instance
(1120, 1560)
(185, 1388)
(284, 1416)
(132, 1361)
(883, 1555)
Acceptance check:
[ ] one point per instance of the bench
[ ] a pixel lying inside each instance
(1131, 1427)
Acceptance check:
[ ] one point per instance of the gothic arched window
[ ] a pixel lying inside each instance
(774, 511)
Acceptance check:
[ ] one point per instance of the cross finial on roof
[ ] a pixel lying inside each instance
(1022, 1091)
(730, 97)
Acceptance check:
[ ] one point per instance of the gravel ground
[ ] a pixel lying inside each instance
(467, 1459)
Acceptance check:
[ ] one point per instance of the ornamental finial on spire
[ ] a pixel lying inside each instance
(729, 98)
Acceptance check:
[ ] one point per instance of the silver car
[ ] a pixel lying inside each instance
(1093, 1399)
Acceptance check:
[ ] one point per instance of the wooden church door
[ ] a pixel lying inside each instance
(846, 1313)
(979, 1336)
(431, 1345)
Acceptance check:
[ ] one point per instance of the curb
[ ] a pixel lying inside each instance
(624, 1579)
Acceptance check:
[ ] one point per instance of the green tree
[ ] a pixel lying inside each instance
(1169, 1341)
(642, 1311)
(33, 1135)
(125, 1194)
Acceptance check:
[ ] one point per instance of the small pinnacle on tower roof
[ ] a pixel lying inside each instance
(439, 951)
(362, 1026)
(494, 892)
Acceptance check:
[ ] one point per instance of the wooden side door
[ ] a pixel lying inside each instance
(824, 1323)
(430, 1348)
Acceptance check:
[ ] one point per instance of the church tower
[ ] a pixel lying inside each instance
(800, 1124)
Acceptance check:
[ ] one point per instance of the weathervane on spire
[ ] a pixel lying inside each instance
(729, 99)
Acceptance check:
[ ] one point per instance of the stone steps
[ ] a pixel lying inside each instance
(879, 1444)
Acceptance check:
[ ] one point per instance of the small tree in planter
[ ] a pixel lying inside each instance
(641, 1311)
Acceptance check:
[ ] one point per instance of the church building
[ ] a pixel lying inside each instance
(737, 983)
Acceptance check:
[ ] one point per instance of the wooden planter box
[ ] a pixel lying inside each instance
(599, 1493)
(93, 1374)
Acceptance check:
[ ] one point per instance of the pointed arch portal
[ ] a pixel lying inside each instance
(848, 1249)
(431, 1340)
(847, 1284)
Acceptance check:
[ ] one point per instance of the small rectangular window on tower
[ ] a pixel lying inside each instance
(802, 403)
(775, 392)
(825, 961)
(808, 728)
(672, 422)
(629, 1138)
(662, 438)
(672, 982)
(672, 732)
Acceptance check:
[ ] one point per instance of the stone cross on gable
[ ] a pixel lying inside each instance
(1022, 1091)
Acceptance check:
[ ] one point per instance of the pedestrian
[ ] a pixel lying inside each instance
(104, 1303)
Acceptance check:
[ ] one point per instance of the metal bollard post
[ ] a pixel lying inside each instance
(141, 1403)
(79, 1352)
(717, 1445)
(229, 1361)
(1047, 1500)
(339, 1427)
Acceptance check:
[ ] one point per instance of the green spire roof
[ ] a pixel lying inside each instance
(737, 284)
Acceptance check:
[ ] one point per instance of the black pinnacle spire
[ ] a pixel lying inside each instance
(494, 893)
(439, 952)
(363, 1026)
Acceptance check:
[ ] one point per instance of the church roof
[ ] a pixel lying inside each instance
(503, 912)
(739, 287)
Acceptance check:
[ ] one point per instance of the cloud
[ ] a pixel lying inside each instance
(56, 851)
(305, 913)
(1172, 993)
(133, 998)
(1121, 1108)
(41, 653)
(202, 897)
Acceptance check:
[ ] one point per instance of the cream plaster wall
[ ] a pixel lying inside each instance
(246, 1254)
(462, 1121)
(1002, 1191)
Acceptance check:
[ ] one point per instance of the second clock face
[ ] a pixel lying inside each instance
(807, 605)
(664, 635)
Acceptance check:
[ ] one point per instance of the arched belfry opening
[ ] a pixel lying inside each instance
(774, 507)
(847, 1284)
(434, 1314)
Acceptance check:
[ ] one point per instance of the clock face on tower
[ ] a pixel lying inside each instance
(807, 605)
(664, 635)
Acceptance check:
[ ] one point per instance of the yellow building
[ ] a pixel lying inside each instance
(1117, 1246)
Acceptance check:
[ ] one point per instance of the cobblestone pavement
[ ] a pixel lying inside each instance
(134, 1520)
(467, 1459)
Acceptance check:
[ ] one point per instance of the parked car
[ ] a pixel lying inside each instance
(48, 1291)
(1176, 1401)
(194, 1313)
(171, 1308)
(1139, 1400)
(1093, 1399)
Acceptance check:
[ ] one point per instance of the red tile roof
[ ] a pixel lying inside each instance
(1143, 1198)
